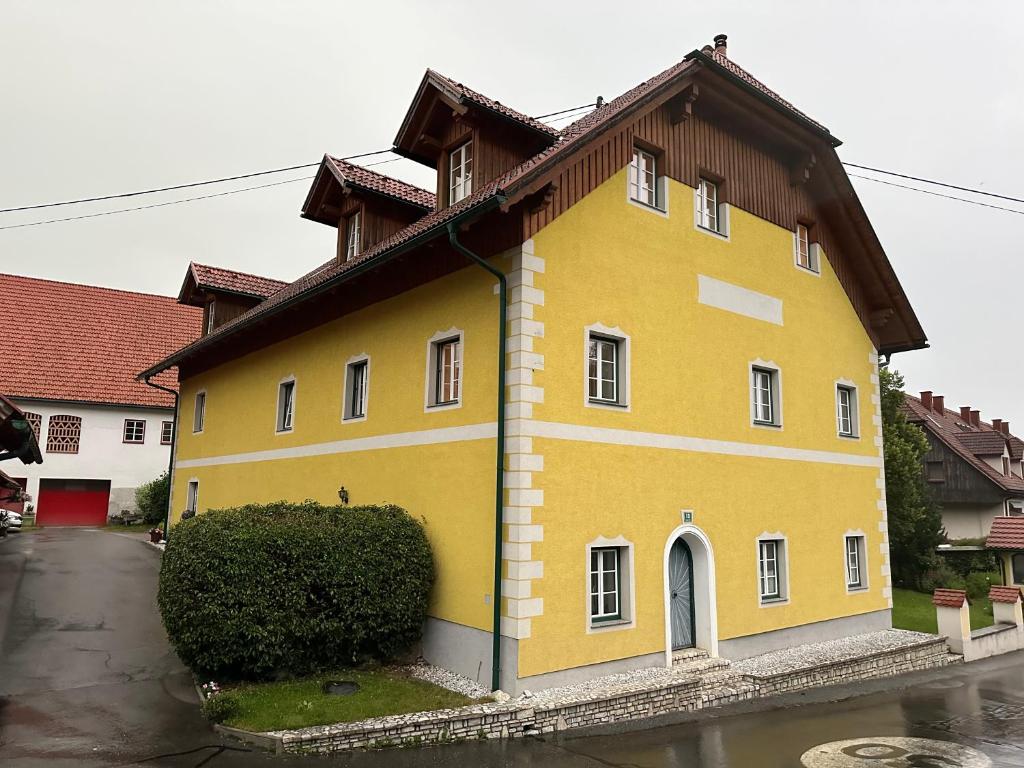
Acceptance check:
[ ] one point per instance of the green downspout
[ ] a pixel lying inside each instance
(170, 461)
(499, 484)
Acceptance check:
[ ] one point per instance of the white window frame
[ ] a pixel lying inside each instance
(124, 432)
(813, 251)
(430, 402)
(861, 544)
(781, 569)
(348, 414)
(284, 421)
(457, 159)
(199, 412)
(353, 235)
(192, 495)
(163, 431)
(211, 310)
(848, 387)
(621, 339)
(775, 393)
(700, 220)
(635, 190)
(626, 586)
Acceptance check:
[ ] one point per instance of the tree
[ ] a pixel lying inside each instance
(915, 522)
(152, 499)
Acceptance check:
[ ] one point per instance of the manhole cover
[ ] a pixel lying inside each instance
(893, 752)
(340, 687)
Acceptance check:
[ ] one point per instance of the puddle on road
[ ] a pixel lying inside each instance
(893, 752)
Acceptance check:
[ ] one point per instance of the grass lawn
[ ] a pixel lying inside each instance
(914, 610)
(301, 703)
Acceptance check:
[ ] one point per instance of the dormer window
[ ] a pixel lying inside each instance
(460, 173)
(353, 236)
(210, 311)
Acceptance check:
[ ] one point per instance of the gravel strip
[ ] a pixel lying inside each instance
(828, 652)
(444, 678)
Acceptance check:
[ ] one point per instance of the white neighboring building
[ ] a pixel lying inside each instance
(69, 357)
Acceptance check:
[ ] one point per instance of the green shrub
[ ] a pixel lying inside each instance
(977, 583)
(265, 591)
(219, 707)
(939, 575)
(152, 499)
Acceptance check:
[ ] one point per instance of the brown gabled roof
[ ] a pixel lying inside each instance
(998, 594)
(950, 598)
(205, 277)
(967, 441)
(520, 180)
(1006, 533)
(364, 178)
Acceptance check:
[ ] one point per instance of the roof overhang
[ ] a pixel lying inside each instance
(322, 203)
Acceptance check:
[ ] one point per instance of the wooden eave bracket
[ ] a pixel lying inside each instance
(680, 107)
(543, 197)
(800, 170)
(879, 318)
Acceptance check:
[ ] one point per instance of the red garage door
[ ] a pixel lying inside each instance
(72, 502)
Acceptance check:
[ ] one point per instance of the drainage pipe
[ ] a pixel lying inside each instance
(170, 461)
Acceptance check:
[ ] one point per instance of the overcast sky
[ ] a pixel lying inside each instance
(102, 97)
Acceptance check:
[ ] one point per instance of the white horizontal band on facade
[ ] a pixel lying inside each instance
(742, 301)
(523, 429)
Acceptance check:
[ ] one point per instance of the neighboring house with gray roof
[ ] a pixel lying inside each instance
(973, 467)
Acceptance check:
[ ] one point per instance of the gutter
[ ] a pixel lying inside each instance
(453, 238)
(170, 461)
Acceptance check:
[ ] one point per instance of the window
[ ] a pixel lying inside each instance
(846, 410)
(134, 431)
(770, 569)
(605, 585)
(935, 472)
(764, 384)
(285, 405)
(643, 178)
(191, 505)
(603, 370)
(166, 432)
(63, 434)
(707, 206)
(35, 421)
(806, 252)
(1006, 465)
(1017, 563)
(210, 312)
(446, 378)
(460, 173)
(1014, 510)
(357, 380)
(855, 562)
(353, 236)
(199, 416)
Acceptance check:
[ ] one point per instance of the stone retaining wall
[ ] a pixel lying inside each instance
(520, 718)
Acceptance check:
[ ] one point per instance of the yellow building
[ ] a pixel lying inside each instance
(685, 446)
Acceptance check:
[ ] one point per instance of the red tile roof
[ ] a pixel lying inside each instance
(462, 92)
(949, 598)
(999, 594)
(967, 441)
(1006, 533)
(63, 341)
(220, 279)
(378, 182)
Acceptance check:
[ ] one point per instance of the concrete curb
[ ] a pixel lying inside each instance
(262, 740)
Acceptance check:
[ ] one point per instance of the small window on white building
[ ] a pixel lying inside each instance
(446, 371)
(846, 410)
(199, 415)
(771, 569)
(353, 236)
(708, 213)
(357, 383)
(192, 503)
(285, 405)
(166, 432)
(134, 431)
(460, 165)
(764, 383)
(605, 584)
(855, 562)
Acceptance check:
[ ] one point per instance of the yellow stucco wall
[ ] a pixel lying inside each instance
(450, 485)
(610, 262)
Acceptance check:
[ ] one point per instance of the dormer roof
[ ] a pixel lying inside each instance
(201, 278)
(338, 175)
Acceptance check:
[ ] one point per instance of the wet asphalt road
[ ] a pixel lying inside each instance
(87, 679)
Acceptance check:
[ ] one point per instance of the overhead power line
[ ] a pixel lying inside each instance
(563, 111)
(936, 183)
(936, 194)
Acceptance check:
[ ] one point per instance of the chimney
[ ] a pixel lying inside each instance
(975, 418)
(1005, 428)
(926, 399)
(997, 425)
(939, 403)
(965, 414)
(720, 44)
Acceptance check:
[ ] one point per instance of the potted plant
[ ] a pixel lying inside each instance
(156, 535)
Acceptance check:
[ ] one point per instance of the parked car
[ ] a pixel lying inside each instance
(13, 519)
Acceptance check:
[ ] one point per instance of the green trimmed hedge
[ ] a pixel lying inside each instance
(265, 591)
